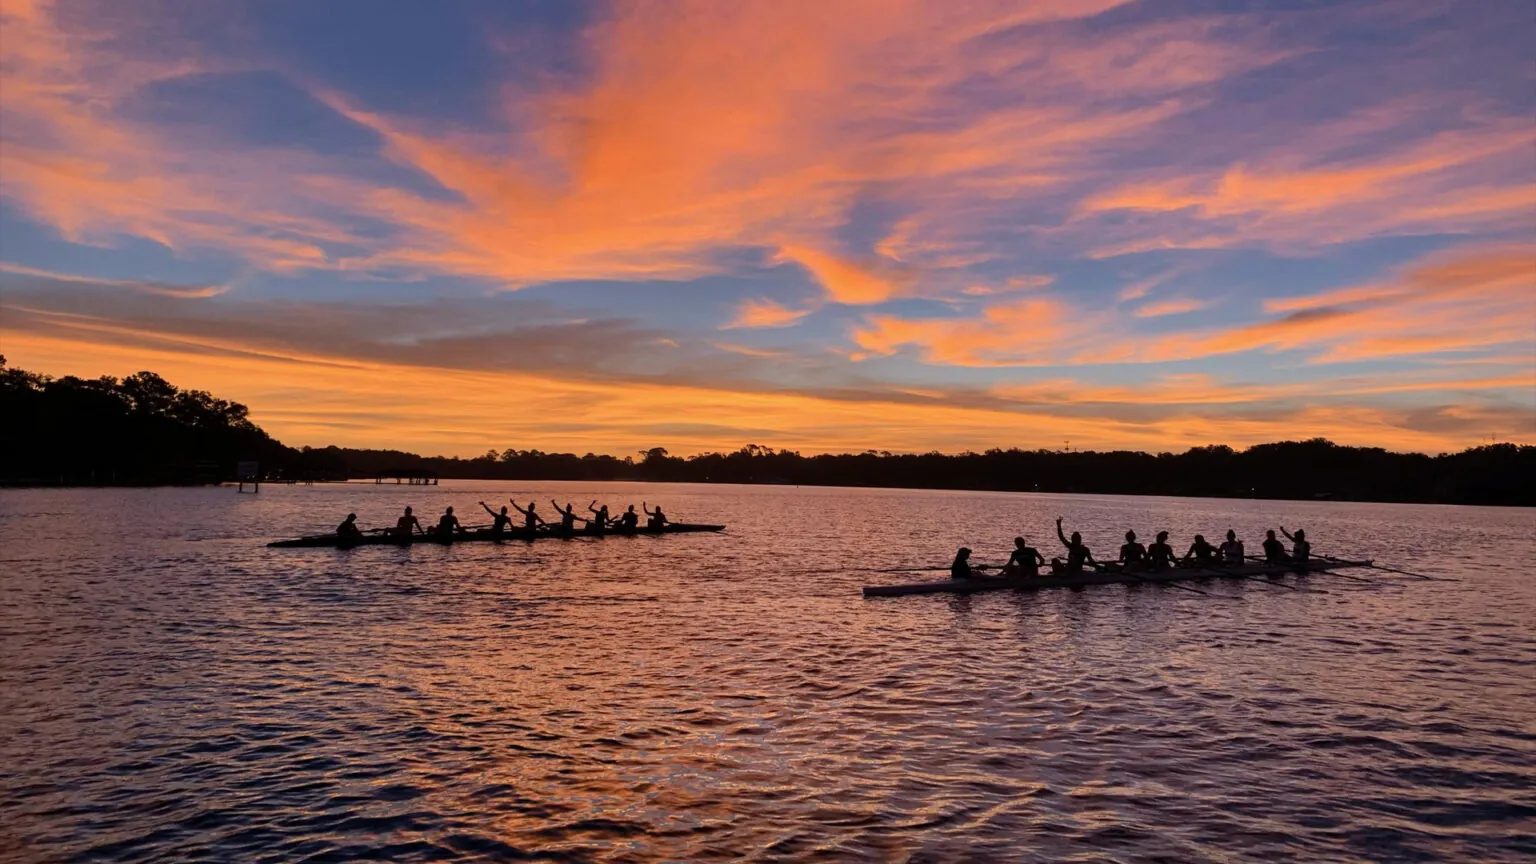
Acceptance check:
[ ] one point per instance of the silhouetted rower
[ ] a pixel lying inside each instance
(1024, 560)
(348, 527)
(656, 519)
(531, 520)
(1274, 550)
(405, 522)
(1200, 551)
(1232, 550)
(1077, 554)
(1160, 554)
(1132, 554)
(499, 521)
(600, 524)
(961, 569)
(629, 520)
(447, 524)
(568, 517)
(1301, 550)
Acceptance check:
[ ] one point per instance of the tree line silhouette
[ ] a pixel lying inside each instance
(144, 430)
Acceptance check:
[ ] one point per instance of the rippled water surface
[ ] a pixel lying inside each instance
(170, 689)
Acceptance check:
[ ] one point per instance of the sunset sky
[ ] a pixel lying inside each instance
(824, 226)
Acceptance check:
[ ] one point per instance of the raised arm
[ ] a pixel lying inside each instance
(517, 508)
(592, 508)
(558, 508)
(488, 508)
(1287, 535)
(646, 509)
(1060, 536)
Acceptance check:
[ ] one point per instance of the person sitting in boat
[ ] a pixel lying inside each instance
(448, 523)
(1077, 554)
(656, 520)
(1023, 561)
(568, 517)
(531, 519)
(961, 569)
(1232, 550)
(404, 523)
(499, 521)
(1274, 550)
(1200, 551)
(1133, 555)
(1160, 554)
(629, 520)
(1301, 550)
(601, 523)
(348, 527)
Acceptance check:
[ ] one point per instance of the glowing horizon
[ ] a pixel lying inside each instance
(833, 227)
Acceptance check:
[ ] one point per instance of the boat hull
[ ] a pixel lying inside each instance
(332, 541)
(1051, 580)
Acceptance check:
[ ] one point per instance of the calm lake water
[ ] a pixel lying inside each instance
(170, 689)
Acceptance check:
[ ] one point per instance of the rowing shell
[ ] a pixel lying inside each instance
(1034, 583)
(334, 541)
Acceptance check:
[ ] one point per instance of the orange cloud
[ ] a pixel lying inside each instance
(762, 312)
(1172, 306)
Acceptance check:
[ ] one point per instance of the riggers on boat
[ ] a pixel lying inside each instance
(1104, 577)
(343, 542)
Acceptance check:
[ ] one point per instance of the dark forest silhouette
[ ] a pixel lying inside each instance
(143, 430)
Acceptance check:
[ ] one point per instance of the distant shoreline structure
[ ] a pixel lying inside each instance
(144, 431)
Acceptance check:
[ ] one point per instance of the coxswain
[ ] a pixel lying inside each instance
(1160, 554)
(568, 516)
(447, 524)
(1133, 555)
(629, 520)
(1023, 561)
(656, 519)
(499, 521)
(1200, 551)
(404, 523)
(531, 520)
(1232, 550)
(961, 569)
(1077, 554)
(1301, 550)
(1274, 550)
(348, 527)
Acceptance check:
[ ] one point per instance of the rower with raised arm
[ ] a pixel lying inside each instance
(500, 521)
(1160, 554)
(1232, 550)
(629, 520)
(600, 524)
(1133, 555)
(568, 517)
(531, 519)
(1077, 554)
(1301, 550)
(404, 523)
(657, 519)
(1274, 550)
(1024, 560)
(1200, 551)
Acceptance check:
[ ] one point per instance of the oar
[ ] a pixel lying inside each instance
(1310, 570)
(1375, 566)
(1146, 581)
(1257, 578)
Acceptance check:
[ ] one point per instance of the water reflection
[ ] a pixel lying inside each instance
(183, 691)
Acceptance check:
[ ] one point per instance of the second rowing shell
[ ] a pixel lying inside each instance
(335, 541)
(1034, 583)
